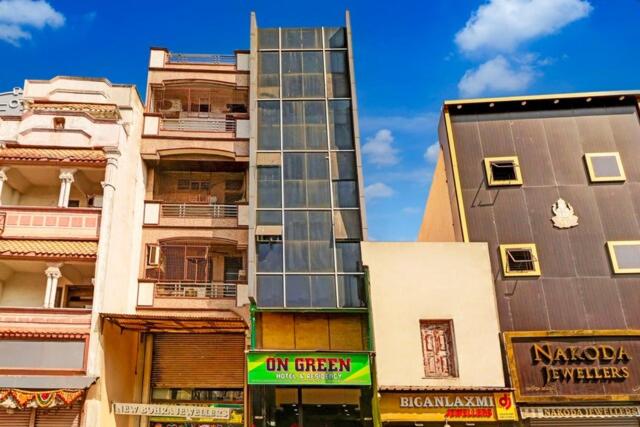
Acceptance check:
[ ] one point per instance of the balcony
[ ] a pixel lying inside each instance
(49, 222)
(31, 284)
(210, 109)
(195, 215)
(177, 295)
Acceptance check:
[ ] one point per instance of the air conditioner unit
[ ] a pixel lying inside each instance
(153, 255)
(171, 105)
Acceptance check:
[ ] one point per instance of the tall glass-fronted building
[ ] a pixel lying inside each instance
(309, 360)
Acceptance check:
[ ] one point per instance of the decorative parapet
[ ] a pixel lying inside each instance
(95, 111)
(11, 102)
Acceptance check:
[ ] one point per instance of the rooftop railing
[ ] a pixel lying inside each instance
(201, 58)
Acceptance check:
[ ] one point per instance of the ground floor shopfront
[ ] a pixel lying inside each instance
(41, 408)
(297, 389)
(575, 378)
(191, 372)
(431, 407)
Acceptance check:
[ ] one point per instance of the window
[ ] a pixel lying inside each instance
(302, 75)
(306, 180)
(308, 244)
(269, 190)
(340, 125)
(352, 292)
(301, 38)
(519, 260)
(270, 291)
(311, 291)
(268, 75)
(438, 348)
(502, 171)
(268, 125)
(232, 269)
(625, 256)
(337, 74)
(304, 125)
(58, 123)
(605, 167)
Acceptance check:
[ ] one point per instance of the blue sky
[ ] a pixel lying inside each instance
(410, 56)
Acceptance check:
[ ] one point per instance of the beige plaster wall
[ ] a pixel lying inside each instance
(421, 281)
(24, 290)
(437, 222)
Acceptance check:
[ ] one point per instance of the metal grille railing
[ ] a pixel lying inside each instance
(201, 58)
(199, 125)
(195, 290)
(187, 210)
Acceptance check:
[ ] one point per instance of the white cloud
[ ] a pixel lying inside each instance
(378, 190)
(379, 149)
(432, 153)
(497, 75)
(416, 123)
(411, 210)
(15, 15)
(502, 25)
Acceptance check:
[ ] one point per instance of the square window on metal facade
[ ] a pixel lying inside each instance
(269, 256)
(625, 256)
(340, 125)
(268, 38)
(335, 38)
(605, 167)
(438, 348)
(519, 260)
(311, 291)
(351, 291)
(301, 38)
(502, 171)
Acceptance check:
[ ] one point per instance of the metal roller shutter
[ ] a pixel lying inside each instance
(59, 417)
(17, 419)
(609, 422)
(198, 360)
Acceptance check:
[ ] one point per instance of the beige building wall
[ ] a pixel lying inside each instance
(437, 223)
(417, 281)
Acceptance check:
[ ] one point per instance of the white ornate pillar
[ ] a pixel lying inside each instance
(3, 179)
(53, 274)
(66, 179)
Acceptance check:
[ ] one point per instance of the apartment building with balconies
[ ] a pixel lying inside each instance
(183, 340)
(67, 145)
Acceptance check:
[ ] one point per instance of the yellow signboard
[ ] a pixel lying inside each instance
(465, 407)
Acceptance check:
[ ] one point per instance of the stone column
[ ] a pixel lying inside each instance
(66, 179)
(3, 179)
(53, 274)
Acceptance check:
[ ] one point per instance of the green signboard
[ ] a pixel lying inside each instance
(309, 368)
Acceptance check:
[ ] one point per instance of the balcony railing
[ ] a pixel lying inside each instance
(201, 58)
(199, 125)
(195, 290)
(186, 210)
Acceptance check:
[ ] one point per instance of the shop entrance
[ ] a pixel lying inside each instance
(311, 407)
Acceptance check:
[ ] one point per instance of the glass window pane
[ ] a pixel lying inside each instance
(323, 291)
(308, 241)
(301, 38)
(306, 180)
(335, 38)
(269, 217)
(302, 75)
(345, 194)
(268, 125)
(304, 125)
(298, 291)
(269, 189)
(269, 256)
(347, 224)
(340, 126)
(268, 38)
(270, 292)
(268, 75)
(348, 256)
(351, 291)
(343, 165)
(337, 75)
